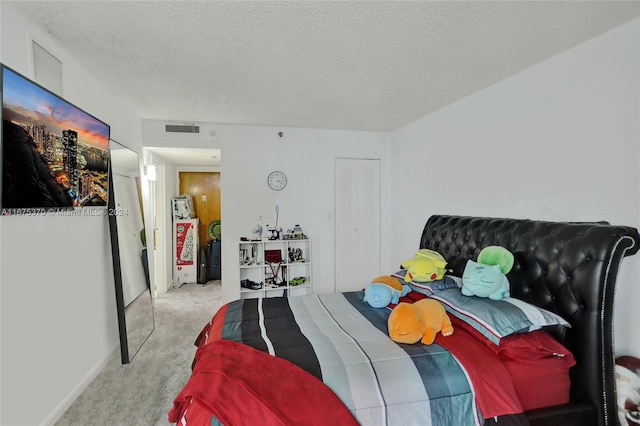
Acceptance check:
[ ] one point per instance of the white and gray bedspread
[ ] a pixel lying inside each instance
(344, 342)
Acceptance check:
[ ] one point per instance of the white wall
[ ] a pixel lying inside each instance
(250, 153)
(58, 312)
(559, 141)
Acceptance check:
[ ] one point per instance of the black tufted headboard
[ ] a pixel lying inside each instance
(567, 268)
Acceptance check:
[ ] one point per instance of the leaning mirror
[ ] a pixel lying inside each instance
(131, 272)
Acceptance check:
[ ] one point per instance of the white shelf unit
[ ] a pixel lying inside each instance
(254, 267)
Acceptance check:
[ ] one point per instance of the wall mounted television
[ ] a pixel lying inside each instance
(55, 156)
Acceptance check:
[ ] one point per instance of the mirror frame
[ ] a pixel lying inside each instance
(117, 270)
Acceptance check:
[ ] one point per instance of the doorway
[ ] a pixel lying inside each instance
(169, 163)
(357, 223)
(204, 189)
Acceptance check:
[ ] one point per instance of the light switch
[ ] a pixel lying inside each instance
(204, 198)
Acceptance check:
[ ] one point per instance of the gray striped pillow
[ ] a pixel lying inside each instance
(496, 319)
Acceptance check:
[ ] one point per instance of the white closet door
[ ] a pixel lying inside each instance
(357, 223)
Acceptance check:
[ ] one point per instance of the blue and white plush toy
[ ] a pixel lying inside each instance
(380, 295)
(487, 277)
(384, 290)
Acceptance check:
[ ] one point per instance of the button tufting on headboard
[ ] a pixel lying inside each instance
(566, 267)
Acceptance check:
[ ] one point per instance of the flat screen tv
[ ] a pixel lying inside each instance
(55, 156)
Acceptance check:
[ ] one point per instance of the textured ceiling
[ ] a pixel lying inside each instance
(358, 65)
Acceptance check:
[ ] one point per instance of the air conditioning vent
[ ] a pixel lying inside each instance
(176, 128)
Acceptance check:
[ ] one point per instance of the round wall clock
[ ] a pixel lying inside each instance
(277, 180)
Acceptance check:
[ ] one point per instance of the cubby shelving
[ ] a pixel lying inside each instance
(279, 267)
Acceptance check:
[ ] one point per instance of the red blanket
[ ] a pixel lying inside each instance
(263, 390)
(493, 386)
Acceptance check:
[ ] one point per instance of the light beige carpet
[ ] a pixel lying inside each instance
(142, 392)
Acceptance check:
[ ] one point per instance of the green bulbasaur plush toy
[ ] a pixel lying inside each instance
(487, 277)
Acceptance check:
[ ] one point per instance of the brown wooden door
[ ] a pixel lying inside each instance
(204, 188)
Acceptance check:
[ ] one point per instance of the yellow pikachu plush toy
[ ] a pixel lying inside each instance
(427, 265)
(418, 321)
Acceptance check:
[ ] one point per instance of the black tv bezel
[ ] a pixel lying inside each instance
(43, 211)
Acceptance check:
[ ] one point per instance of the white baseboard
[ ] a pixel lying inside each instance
(64, 405)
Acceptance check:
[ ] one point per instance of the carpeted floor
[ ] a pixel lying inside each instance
(142, 392)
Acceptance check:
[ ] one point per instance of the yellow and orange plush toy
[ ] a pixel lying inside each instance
(427, 265)
(418, 321)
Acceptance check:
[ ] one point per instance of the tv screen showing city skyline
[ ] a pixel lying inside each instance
(55, 156)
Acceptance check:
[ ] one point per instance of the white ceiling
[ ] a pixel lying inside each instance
(359, 65)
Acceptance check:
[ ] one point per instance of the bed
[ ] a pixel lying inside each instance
(334, 364)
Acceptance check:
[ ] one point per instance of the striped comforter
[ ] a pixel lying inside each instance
(344, 342)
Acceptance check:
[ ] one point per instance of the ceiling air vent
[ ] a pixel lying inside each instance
(176, 128)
